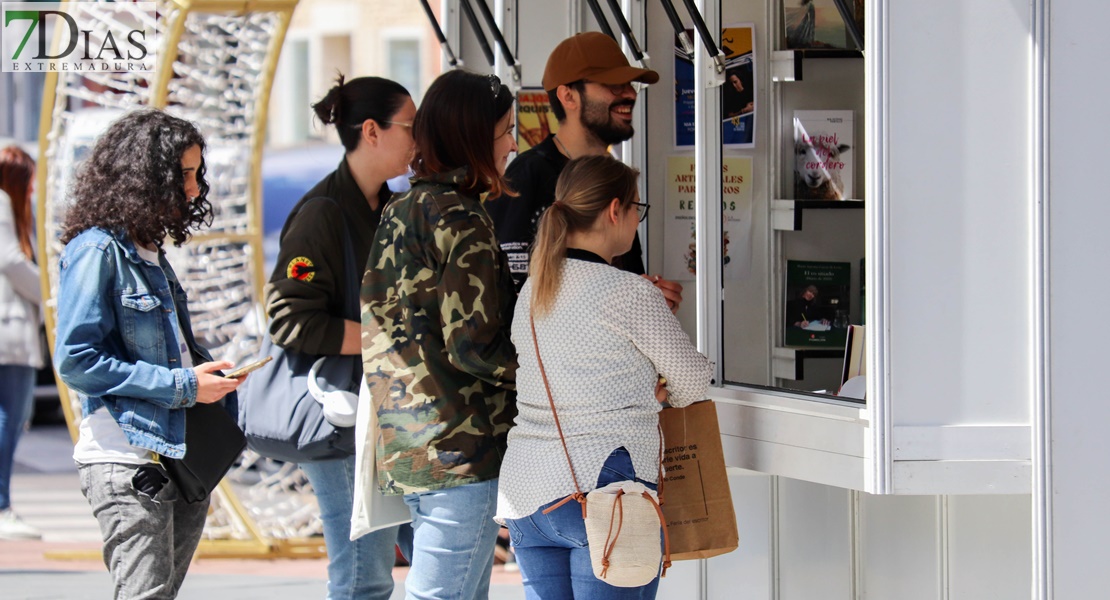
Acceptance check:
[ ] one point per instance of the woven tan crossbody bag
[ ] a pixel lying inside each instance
(623, 519)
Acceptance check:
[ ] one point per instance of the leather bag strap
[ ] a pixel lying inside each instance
(577, 495)
(611, 538)
(666, 538)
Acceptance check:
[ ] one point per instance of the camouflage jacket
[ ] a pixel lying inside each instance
(437, 301)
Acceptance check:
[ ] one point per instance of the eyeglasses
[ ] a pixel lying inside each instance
(615, 89)
(494, 85)
(642, 209)
(408, 125)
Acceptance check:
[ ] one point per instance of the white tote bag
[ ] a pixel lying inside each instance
(372, 510)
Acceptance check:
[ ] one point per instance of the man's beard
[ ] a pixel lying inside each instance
(597, 119)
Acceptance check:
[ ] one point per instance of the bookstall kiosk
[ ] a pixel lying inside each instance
(971, 458)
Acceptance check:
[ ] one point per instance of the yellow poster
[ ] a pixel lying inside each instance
(680, 240)
(738, 94)
(534, 119)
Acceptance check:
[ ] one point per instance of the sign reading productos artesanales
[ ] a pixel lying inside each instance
(83, 37)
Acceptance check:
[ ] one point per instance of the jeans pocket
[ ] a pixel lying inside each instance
(83, 479)
(567, 523)
(618, 467)
(515, 534)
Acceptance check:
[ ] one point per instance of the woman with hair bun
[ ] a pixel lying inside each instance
(307, 296)
(437, 303)
(125, 344)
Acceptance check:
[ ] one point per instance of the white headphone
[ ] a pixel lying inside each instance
(340, 406)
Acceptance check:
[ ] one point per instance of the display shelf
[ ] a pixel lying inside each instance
(786, 215)
(786, 65)
(789, 362)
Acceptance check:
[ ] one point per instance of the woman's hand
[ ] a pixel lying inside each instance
(672, 290)
(212, 387)
(661, 390)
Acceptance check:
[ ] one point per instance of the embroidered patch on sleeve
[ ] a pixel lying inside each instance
(301, 269)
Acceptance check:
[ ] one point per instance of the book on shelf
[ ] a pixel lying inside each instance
(853, 376)
(855, 359)
(818, 24)
(817, 304)
(823, 152)
(862, 291)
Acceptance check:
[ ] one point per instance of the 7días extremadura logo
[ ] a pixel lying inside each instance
(79, 37)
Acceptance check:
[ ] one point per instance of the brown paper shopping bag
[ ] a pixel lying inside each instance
(697, 502)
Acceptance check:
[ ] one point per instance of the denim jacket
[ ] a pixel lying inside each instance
(115, 341)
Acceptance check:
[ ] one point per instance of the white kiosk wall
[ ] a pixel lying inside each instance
(959, 211)
(956, 213)
(1070, 461)
(959, 388)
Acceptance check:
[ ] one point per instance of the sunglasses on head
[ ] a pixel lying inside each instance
(494, 84)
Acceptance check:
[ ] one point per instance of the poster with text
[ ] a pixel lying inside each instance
(683, 95)
(738, 94)
(534, 118)
(680, 247)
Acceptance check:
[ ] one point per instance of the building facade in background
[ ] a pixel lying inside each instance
(357, 38)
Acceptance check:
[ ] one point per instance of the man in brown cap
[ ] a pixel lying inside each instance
(589, 83)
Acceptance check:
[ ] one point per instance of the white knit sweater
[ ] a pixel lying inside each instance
(604, 343)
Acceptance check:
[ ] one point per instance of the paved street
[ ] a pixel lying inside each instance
(65, 564)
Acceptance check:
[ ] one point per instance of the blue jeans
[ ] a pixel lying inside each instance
(553, 553)
(360, 569)
(16, 397)
(453, 538)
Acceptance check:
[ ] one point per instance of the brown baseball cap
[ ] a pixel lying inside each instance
(595, 56)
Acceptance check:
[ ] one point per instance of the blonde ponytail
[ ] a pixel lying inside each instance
(548, 255)
(585, 189)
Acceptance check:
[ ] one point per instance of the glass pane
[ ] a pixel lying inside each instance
(786, 326)
(404, 65)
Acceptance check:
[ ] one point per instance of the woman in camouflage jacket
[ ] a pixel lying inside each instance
(437, 302)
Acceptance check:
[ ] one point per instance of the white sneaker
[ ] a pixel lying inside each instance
(13, 528)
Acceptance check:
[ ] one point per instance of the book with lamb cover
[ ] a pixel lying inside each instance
(823, 152)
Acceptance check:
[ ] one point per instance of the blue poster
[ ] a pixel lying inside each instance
(738, 93)
(683, 96)
(738, 130)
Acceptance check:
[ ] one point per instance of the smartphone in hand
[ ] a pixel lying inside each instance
(242, 371)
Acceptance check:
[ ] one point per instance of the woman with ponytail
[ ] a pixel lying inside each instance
(307, 297)
(20, 352)
(612, 352)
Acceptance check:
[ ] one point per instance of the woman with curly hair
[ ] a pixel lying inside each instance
(20, 348)
(125, 344)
